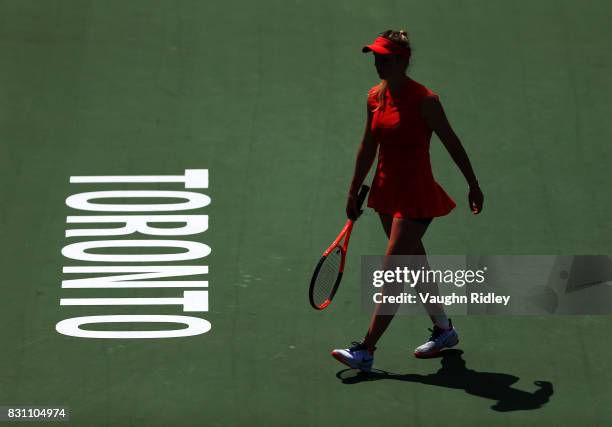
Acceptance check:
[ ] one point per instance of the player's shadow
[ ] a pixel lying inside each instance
(454, 374)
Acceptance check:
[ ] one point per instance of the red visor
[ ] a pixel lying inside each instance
(385, 46)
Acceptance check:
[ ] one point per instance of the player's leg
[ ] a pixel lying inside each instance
(404, 239)
(443, 335)
(434, 310)
(404, 235)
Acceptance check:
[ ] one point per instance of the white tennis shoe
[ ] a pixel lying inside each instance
(439, 339)
(357, 356)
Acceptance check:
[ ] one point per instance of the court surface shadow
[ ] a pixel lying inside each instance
(454, 374)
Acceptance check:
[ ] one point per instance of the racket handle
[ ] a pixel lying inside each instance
(363, 192)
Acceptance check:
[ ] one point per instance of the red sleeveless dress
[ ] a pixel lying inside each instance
(404, 185)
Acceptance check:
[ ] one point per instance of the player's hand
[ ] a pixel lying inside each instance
(352, 209)
(475, 199)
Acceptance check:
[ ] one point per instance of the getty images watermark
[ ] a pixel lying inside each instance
(488, 284)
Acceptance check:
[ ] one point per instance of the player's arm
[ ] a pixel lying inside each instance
(434, 115)
(365, 157)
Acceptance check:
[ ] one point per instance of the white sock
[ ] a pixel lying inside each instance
(441, 321)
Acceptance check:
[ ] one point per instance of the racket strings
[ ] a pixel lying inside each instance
(327, 277)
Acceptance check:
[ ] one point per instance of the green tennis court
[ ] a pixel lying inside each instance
(270, 97)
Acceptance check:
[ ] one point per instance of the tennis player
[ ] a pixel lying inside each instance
(401, 116)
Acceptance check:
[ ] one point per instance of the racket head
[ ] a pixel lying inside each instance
(328, 272)
(326, 277)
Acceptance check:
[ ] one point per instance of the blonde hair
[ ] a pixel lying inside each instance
(400, 37)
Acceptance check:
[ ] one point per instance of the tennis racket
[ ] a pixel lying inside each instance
(328, 272)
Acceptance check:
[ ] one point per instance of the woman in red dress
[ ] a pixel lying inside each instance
(401, 116)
